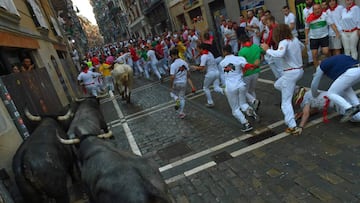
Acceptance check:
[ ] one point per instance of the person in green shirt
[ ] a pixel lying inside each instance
(252, 53)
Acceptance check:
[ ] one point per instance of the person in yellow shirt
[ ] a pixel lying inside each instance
(105, 70)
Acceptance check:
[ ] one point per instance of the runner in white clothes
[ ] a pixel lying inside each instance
(235, 89)
(320, 103)
(290, 49)
(345, 72)
(208, 64)
(87, 79)
(179, 72)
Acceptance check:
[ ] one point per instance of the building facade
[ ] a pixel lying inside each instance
(30, 29)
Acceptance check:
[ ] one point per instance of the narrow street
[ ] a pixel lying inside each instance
(206, 158)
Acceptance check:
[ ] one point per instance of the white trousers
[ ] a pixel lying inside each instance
(343, 86)
(210, 78)
(250, 82)
(350, 41)
(286, 84)
(179, 90)
(236, 99)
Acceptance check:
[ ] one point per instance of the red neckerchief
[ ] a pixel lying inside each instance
(349, 8)
(249, 20)
(204, 51)
(247, 44)
(325, 109)
(86, 70)
(312, 17)
(332, 9)
(243, 21)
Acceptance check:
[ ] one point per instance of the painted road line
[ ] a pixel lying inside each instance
(218, 147)
(242, 151)
(133, 145)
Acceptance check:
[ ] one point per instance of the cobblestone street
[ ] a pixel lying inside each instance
(206, 158)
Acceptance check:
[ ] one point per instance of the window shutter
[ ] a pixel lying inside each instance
(9, 6)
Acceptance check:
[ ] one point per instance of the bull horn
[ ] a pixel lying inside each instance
(66, 116)
(69, 141)
(30, 116)
(79, 100)
(105, 135)
(102, 96)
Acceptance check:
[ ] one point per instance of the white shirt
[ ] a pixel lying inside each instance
(179, 69)
(289, 19)
(335, 15)
(319, 28)
(256, 22)
(350, 19)
(151, 55)
(193, 41)
(233, 78)
(123, 58)
(290, 51)
(88, 78)
(209, 62)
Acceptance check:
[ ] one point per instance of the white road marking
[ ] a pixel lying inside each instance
(238, 152)
(133, 145)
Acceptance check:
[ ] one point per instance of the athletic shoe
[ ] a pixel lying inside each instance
(349, 113)
(256, 104)
(177, 104)
(210, 105)
(294, 131)
(182, 115)
(246, 127)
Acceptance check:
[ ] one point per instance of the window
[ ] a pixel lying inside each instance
(9, 6)
(37, 14)
(56, 26)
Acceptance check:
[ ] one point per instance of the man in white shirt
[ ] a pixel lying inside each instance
(235, 88)
(252, 27)
(179, 72)
(290, 19)
(306, 12)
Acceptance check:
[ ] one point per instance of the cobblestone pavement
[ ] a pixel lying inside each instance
(206, 158)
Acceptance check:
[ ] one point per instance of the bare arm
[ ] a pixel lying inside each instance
(305, 115)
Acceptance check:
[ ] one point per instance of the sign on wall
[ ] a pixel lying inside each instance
(249, 4)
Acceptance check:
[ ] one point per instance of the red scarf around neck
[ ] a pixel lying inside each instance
(349, 8)
(332, 9)
(312, 17)
(247, 44)
(204, 51)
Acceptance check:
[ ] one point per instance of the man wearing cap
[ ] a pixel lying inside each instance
(345, 72)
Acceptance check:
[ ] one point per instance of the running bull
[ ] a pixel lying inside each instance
(42, 164)
(123, 80)
(111, 175)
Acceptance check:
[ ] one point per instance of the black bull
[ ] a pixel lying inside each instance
(111, 175)
(42, 164)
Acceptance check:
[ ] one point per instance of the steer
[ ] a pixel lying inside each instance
(123, 80)
(42, 164)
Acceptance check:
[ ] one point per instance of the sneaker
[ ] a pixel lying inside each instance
(177, 104)
(294, 131)
(246, 127)
(182, 115)
(250, 112)
(256, 104)
(210, 105)
(349, 113)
